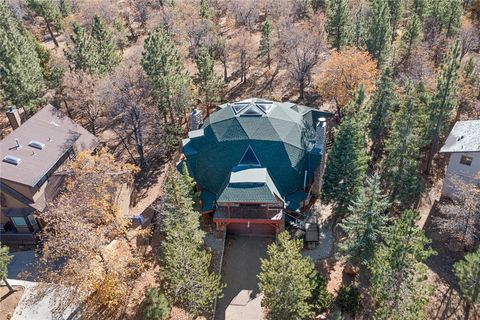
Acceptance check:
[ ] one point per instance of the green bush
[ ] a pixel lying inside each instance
(349, 299)
(321, 298)
(155, 305)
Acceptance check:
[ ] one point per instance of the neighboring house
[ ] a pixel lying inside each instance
(256, 160)
(30, 155)
(463, 145)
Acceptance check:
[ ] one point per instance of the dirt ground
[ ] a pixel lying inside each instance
(9, 301)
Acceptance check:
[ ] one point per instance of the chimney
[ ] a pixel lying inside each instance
(196, 119)
(14, 117)
(320, 132)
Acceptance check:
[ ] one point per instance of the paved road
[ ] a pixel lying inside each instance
(241, 298)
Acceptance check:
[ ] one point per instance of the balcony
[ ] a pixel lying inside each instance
(248, 213)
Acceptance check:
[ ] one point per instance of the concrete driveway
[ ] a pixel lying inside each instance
(22, 265)
(241, 298)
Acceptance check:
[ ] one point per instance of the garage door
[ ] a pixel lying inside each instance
(252, 229)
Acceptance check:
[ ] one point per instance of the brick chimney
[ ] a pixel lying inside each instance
(14, 117)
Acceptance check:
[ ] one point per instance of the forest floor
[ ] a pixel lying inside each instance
(9, 301)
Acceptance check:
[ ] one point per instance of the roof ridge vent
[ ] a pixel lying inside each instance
(12, 160)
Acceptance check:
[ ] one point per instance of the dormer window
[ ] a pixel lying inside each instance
(249, 158)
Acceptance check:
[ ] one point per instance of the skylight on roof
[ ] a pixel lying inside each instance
(37, 144)
(12, 160)
(252, 111)
(265, 106)
(249, 158)
(239, 106)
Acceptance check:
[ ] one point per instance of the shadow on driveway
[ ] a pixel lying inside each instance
(241, 297)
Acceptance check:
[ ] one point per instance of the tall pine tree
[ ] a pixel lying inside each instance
(366, 224)
(380, 30)
(287, 280)
(383, 103)
(105, 46)
(163, 65)
(21, 78)
(400, 168)
(185, 274)
(347, 162)
(398, 274)
(337, 23)
(51, 14)
(468, 274)
(209, 85)
(444, 100)
(266, 42)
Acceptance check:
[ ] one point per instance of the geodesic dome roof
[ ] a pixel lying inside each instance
(253, 133)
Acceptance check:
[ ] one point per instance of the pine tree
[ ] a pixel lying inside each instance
(444, 100)
(105, 47)
(468, 274)
(162, 63)
(398, 274)
(409, 37)
(400, 168)
(454, 13)
(205, 11)
(266, 42)
(209, 85)
(155, 306)
(357, 37)
(21, 78)
(287, 280)
(186, 279)
(5, 259)
(50, 12)
(383, 103)
(366, 224)
(396, 12)
(337, 23)
(347, 162)
(65, 7)
(83, 56)
(380, 30)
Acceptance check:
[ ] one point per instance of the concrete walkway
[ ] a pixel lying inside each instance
(22, 265)
(241, 298)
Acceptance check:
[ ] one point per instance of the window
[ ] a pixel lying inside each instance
(32, 219)
(466, 160)
(249, 158)
(19, 222)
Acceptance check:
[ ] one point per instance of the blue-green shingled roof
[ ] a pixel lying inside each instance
(281, 135)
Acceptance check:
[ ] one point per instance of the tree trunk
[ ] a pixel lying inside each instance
(225, 74)
(137, 131)
(302, 89)
(69, 112)
(49, 28)
(10, 288)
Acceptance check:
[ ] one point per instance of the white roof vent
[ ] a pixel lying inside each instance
(37, 144)
(12, 160)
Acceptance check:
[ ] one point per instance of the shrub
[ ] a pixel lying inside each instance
(321, 298)
(155, 305)
(349, 299)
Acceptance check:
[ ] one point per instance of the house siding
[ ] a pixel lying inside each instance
(469, 174)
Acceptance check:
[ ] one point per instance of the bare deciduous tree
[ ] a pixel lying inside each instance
(460, 217)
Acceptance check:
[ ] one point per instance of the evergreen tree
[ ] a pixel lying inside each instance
(446, 15)
(398, 274)
(400, 167)
(105, 47)
(380, 30)
(409, 37)
(209, 85)
(287, 280)
(162, 63)
(396, 12)
(444, 100)
(65, 7)
(205, 11)
(155, 306)
(21, 78)
(186, 279)
(83, 56)
(50, 12)
(347, 162)
(468, 274)
(366, 224)
(337, 23)
(383, 103)
(266, 42)
(357, 37)
(5, 259)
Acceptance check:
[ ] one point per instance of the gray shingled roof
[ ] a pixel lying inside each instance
(281, 135)
(464, 137)
(52, 128)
